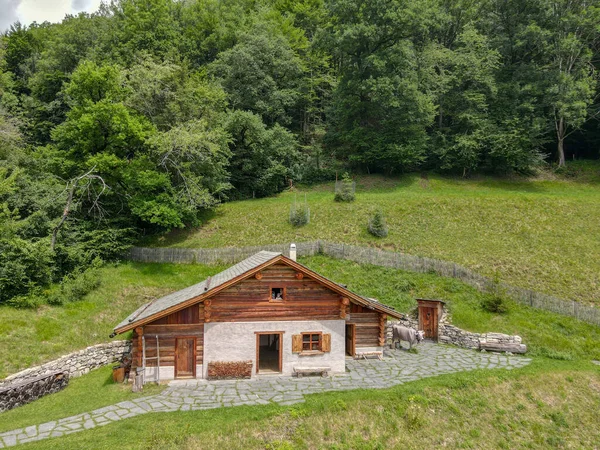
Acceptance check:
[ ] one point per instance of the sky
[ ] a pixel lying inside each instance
(27, 11)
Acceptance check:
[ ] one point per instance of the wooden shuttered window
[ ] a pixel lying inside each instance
(326, 345)
(300, 342)
(296, 343)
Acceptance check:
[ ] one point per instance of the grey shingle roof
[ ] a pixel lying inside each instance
(166, 302)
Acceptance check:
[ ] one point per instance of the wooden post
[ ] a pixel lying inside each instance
(382, 320)
(140, 346)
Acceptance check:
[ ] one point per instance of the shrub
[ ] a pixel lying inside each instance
(494, 304)
(24, 265)
(377, 226)
(30, 301)
(299, 214)
(344, 189)
(76, 285)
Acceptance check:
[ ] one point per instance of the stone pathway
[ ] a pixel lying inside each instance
(397, 367)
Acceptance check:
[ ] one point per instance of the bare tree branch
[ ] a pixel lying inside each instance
(71, 188)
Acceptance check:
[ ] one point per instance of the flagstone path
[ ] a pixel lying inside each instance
(397, 367)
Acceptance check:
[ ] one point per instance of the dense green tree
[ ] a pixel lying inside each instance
(261, 74)
(262, 158)
(139, 117)
(380, 113)
(169, 94)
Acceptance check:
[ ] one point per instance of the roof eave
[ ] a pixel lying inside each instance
(198, 298)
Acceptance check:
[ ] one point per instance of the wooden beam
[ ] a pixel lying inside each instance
(207, 311)
(344, 302)
(140, 332)
(382, 320)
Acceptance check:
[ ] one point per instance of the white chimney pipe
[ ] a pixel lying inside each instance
(293, 252)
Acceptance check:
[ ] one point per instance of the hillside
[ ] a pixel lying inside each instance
(540, 233)
(29, 337)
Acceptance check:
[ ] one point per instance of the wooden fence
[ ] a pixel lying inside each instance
(368, 255)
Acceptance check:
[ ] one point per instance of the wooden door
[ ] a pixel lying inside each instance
(428, 321)
(185, 357)
(350, 340)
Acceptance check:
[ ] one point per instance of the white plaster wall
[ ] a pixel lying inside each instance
(168, 373)
(227, 341)
(368, 349)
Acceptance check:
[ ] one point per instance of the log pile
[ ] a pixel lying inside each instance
(498, 342)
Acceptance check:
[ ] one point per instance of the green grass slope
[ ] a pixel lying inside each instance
(91, 391)
(543, 406)
(541, 233)
(29, 337)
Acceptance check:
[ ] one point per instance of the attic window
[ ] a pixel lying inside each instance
(277, 294)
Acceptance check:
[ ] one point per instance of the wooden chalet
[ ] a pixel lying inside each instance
(268, 310)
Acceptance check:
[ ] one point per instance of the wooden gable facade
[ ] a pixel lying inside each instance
(280, 292)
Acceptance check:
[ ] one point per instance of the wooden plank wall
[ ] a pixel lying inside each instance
(188, 322)
(367, 328)
(249, 300)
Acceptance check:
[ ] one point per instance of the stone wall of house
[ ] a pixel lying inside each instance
(77, 363)
(22, 392)
(449, 334)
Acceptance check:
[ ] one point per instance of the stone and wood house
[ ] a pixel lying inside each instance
(266, 314)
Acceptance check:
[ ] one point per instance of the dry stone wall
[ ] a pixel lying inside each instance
(20, 393)
(449, 334)
(77, 363)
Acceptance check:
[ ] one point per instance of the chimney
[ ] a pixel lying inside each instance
(293, 252)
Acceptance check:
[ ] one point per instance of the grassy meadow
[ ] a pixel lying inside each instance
(88, 392)
(549, 404)
(541, 233)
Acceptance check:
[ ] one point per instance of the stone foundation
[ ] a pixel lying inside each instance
(23, 392)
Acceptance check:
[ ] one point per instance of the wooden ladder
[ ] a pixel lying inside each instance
(145, 358)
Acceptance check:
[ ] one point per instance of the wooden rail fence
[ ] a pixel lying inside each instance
(369, 255)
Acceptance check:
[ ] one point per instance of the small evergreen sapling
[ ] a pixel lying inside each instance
(299, 214)
(344, 189)
(377, 226)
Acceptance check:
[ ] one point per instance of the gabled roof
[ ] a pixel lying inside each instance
(246, 268)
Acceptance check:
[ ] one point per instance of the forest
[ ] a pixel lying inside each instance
(144, 116)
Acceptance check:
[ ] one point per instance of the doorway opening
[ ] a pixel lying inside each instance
(268, 352)
(350, 339)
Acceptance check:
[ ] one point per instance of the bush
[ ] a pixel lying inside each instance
(76, 285)
(344, 189)
(299, 214)
(30, 301)
(494, 304)
(377, 226)
(24, 265)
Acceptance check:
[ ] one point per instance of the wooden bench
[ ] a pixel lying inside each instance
(503, 347)
(365, 355)
(300, 371)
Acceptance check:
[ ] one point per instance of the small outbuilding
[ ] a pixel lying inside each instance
(430, 316)
(267, 314)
